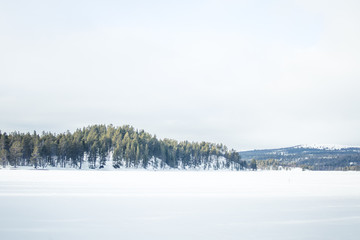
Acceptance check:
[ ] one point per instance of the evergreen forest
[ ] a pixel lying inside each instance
(99, 146)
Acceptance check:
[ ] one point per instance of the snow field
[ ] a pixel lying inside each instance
(51, 204)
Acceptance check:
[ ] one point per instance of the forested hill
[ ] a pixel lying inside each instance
(101, 146)
(314, 157)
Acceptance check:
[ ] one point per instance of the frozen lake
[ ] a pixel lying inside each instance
(88, 205)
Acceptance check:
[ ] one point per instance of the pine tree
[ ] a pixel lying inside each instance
(253, 165)
(4, 156)
(4, 150)
(127, 154)
(146, 156)
(137, 157)
(117, 156)
(16, 152)
(35, 156)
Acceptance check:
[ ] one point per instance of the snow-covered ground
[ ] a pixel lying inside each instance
(51, 204)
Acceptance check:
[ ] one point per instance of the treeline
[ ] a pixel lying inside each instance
(269, 164)
(99, 145)
(307, 158)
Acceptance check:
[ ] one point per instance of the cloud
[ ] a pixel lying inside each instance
(245, 74)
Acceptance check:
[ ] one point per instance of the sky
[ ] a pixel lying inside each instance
(248, 74)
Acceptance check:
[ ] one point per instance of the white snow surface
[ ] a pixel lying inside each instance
(68, 204)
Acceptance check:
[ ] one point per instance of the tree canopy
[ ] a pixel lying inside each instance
(99, 145)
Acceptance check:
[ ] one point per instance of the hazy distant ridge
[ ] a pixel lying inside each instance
(312, 156)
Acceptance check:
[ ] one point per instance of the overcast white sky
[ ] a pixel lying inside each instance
(249, 74)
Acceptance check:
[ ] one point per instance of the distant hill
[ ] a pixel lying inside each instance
(315, 157)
